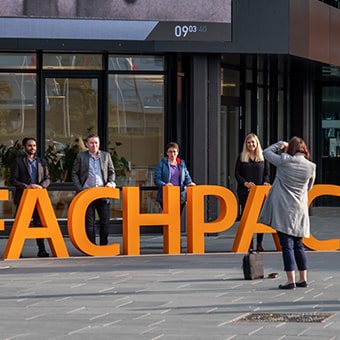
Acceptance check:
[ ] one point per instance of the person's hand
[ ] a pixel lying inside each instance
(191, 184)
(266, 183)
(249, 184)
(285, 146)
(110, 185)
(169, 184)
(34, 186)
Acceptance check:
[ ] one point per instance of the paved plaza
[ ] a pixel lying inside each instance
(157, 296)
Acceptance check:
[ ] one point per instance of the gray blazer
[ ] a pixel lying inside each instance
(286, 207)
(80, 169)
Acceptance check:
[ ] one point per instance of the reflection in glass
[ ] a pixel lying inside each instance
(17, 119)
(17, 105)
(136, 117)
(71, 113)
(73, 61)
(136, 63)
(136, 103)
(331, 121)
(18, 61)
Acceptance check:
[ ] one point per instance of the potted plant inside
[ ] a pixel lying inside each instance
(8, 153)
(121, 165)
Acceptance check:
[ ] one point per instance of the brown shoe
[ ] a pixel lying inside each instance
(259, 247)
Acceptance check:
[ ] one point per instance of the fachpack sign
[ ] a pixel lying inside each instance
(197, 227)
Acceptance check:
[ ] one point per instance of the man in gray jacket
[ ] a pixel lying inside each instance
(94, 168)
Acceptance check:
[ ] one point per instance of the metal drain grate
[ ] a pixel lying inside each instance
(284, 317)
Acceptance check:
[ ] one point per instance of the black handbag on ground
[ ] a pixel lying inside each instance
(253, 266)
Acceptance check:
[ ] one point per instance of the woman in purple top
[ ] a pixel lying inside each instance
(171, 170)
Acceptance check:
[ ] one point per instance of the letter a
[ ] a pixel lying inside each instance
(248, 224)
(196, 225)
(21, 230)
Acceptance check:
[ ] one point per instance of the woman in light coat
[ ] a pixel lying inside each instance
(286, 207)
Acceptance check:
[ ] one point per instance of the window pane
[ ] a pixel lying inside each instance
(72, 61)
(140, 63)
(230, 82)
(17, 105)
(136, 120)
(22, 61)
(71, 114)
(17, 119)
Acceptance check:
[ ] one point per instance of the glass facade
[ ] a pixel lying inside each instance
(72, 61)
(251, 92)
(76, 95)
(61, 98)
(331, 121)
(329, 130)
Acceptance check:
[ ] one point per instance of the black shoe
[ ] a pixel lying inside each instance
(43, 253)
(302, 284)
(287, 286)
(251, 246)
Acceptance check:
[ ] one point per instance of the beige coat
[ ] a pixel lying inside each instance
(286, 207)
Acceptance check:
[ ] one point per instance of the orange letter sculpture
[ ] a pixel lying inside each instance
(21, 230)
(196, 227)
(76, 221)
(170, 219)
(248, 224)
(312, 242)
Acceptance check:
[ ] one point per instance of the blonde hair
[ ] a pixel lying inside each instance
(245, 155)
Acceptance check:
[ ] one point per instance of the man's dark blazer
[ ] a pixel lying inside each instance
(80, 169)
(21, 177)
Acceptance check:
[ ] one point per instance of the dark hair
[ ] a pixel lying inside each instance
(171, 145)
(297, 144)
(92, 135)
(26, 139)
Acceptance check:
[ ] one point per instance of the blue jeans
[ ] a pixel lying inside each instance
(293, 252)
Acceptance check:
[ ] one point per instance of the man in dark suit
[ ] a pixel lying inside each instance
(30, 172)
(94, 168)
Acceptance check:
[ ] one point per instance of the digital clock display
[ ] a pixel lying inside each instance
(182, 31)
(193, 31)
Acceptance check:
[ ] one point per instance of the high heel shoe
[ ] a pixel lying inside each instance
(287, 286)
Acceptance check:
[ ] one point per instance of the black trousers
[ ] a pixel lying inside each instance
(36, 222)
(102, 207)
